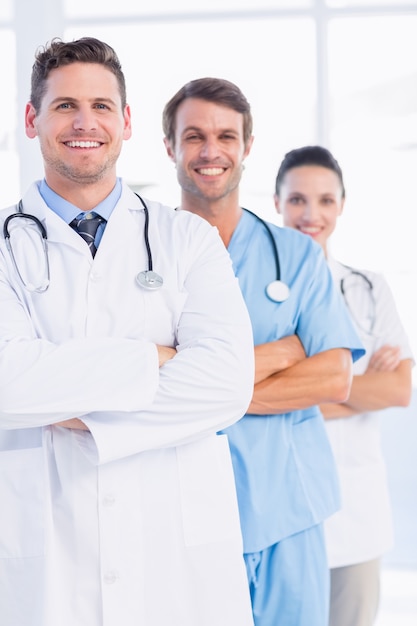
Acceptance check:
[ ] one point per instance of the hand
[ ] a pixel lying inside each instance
(72, 424)
(277, 355)
(385, 359)
(165, 354)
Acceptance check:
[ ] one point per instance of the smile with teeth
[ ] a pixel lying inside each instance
(310, 230)
(210, 171)
(83, 144)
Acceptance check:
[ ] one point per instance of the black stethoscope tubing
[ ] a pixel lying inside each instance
(277, 290)
(355, 273)
(20, 213)
(146, 234)
(370, 286)
(147, 279)
(272, 239)
(44, 236)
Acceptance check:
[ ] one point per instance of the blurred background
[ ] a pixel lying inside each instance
(341, 73)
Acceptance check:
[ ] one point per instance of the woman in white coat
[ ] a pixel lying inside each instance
(118, 500)
(310, 197)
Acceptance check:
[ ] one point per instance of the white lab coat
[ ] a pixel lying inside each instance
(135, 522)
(362, 529)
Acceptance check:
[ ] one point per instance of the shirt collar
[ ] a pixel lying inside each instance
(67, 211)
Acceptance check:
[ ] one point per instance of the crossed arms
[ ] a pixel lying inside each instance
(287, 380)
(386, 382)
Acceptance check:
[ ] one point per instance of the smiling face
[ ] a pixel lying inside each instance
(310, 200)
(80, 125)
(208, 151)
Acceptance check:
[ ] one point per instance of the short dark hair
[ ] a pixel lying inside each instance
(58, 53)
(217, 90)
(308, 155)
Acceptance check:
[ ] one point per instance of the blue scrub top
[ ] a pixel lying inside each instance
(285, 474)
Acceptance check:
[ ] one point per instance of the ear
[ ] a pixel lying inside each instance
(127, 131)
(248, 146)
(30, 118)
(169, 148)
(342, 206)
(277, 203)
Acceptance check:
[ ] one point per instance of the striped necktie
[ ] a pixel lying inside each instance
(86, 226)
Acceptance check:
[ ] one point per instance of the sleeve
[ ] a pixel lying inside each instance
(208, 385)
(44, 382)
(324, 322)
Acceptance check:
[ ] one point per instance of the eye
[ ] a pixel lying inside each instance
(65, 105)
(192, 137)
(101, 106)
(296, 200)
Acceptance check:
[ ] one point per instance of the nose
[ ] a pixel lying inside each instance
(85, 119)
(209, 149)
(311, 211)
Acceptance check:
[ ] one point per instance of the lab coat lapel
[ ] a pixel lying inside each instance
(123, 228)
(58, 231)
(120, 230)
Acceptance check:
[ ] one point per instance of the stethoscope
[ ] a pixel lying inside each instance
(41, 230)
(148, 279)
(370, 288)
(277, 290)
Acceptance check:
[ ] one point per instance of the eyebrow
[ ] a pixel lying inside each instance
(188, 128)
(72, 99)
(201, 130)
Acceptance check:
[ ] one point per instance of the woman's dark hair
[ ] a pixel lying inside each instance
(308, 155)
(58, 53)
(215, 90)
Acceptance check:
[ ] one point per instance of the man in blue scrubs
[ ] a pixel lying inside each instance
(304, 344)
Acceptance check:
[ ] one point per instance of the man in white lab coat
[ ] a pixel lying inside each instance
(116, 372)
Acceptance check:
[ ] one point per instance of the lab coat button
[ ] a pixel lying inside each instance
(94, 276)
(108, 500)
(110, 577)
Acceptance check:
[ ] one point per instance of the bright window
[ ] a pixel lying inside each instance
(8, 119)
(369, 3)
(80, 8)
(6, 10)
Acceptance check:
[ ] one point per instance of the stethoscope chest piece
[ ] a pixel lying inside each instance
(149, 280)
(277, 291)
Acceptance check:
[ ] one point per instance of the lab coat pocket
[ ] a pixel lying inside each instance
(208, 494)
(22, 498)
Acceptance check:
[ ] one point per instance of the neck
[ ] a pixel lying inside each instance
(83, 196)
(223, 213)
